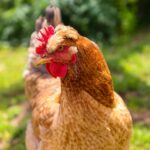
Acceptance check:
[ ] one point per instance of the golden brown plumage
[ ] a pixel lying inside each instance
(86, 113)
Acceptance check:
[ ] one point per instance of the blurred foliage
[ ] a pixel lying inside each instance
(143, 12)
(128, 64)
(18, 17)
(96, 17)
(103, 19)
(100, 18)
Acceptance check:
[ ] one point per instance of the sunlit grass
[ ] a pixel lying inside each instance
(141, 137)
(12, 64)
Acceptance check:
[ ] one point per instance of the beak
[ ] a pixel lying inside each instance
(41, 61)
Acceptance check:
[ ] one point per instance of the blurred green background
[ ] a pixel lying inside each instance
(120, 27)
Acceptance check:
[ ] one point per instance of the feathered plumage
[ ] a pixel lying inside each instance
(85, 113)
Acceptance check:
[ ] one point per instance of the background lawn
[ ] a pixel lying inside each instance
(129, 63)
(12, 99)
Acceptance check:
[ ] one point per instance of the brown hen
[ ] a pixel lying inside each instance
(86, 113)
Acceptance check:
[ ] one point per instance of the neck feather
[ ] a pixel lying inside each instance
(90, 73)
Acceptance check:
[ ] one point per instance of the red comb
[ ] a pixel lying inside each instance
(41, 48)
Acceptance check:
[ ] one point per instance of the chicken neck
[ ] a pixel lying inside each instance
(90, 74)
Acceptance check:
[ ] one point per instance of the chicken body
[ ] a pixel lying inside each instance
(43, 91)
(90, 126)
(78, 122)
(85, 113)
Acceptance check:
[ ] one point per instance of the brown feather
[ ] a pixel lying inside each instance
(86, 113)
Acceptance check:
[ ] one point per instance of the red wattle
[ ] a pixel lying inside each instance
(57, 69)
(74, 59)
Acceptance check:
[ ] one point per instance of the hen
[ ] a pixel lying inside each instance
(86, 113)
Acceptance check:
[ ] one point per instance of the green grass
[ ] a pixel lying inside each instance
(130, 67)
(141, 137)
(12, 64)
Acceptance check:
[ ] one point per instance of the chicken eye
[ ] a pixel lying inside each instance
(61, 48)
